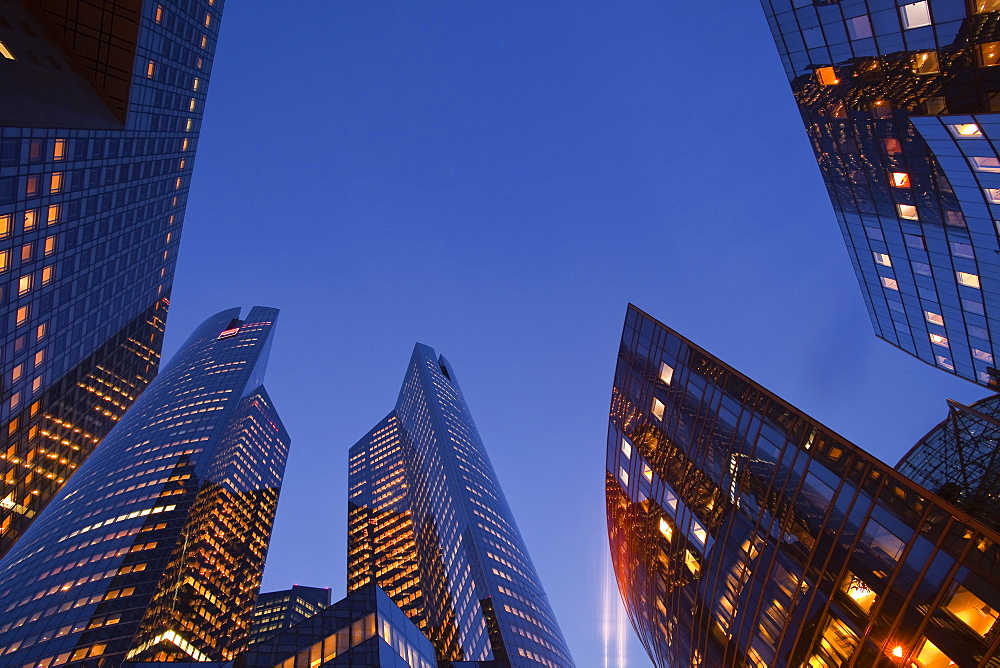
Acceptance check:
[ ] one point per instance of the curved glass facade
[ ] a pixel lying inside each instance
(154, 549)
(745, 533)
(428, 523)
(900, 102)
(102, 106)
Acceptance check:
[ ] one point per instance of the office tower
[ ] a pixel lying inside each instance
(154, 549)
(279, 610)
(101, 108)
(959, 459)
(430, 525)
(745, 533)
(364, 629)
(901, 102)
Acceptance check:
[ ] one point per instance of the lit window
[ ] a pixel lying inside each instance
(192, 104)
(626, 448)
(900, 179)
(184, 144)
(968, 280)
(983, 6)
(47, 275)
(939, 340)
(882, 259)
(623, 475)
(915, 15)
(929, 655)
(827, 76)
(666, 373)
(985, 164)
(22, 315)
(925, 62)
(208, 20)
(989, 54)
(647, 472)
(934, 318)
(859, 27)
(658, 409)
(691, 562)
(971, 610)
(159, 13)
(4, 225)
(992, 195)
(31, 187)
(39, 358)
(56, 185)
(893, 146)
(52, 215)
(699, 532)
(24, 285)
(150, 69)
(945, 362)
(890, 283)
(204, 41)
(16, 374)
(982, 355)
(40, 332)
(5, 52)
(665, 529)
(965, 130)
(4, 261)
(907, 211)
(858, 591)
(197, 84)
(59, 149)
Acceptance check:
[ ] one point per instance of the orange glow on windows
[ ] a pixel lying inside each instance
(150, 69)
(827, 76)
(59, 149)
(52, 216)
(900, 179)
(56, 184)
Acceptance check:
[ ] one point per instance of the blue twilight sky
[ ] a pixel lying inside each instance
(498, 179)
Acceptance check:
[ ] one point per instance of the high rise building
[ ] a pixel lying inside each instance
(101, 108)
(744, 533)
(901, 101)
(430, 525)
(154, 549)
(279, 610)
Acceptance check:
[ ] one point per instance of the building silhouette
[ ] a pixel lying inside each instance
(102, 105)
(901, 106)
(745, 533)
(154, 550)
(279, 610)
(429, 524)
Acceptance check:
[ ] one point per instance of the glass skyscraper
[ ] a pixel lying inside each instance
(279, 610)
(101, 108)
(901, 101)
(430, 525)
(744, 533)
(154, 549)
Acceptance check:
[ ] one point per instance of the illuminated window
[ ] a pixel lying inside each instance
(982, 355)
(40, 332)
(184, 144)
(197, 84)
(22, 315)
(965, 130)
(47, 274)
(192, 104)
(859, 27)
(939, 340)
(929, 656)
(925, 62)
(827, 76)
(623, 476)
(882, 259)
(945, 362)
(915, 15)
(24, 285)
(4, 261)
(31, 186)
(934, 318)
(658, 409)
(968, 280)
(150, 69)
(691, 562)
(56, 185)
(30, 219)
(204, 41)
(52, 216)
(39, 358)
(890, 283)
(50, 245)
(900, 179)
(647, 472)
(626, 448)
(983, 6)
(971, 610)
(835, 646)
(907, 211)
(59, 149)
(16, 374)
(666, 373)
(665, 529)
(893, 146)
(5, 225)
(699, 532)
(208, 20)
(858, 591)
(985, 164)
(27, 252)
(989, 54)
(5, 52)
(159, 14)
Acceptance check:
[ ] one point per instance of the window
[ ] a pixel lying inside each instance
(5, 52)
(939, 340)
(965, 130)
(921, 268)
(968, 280)
(30, 219)
(24, 285)
(893, 146)
(4, 261)
(626, 448)
(882, 109)
(973, 307)
(907, 211)
(859, 592)
(22, 315)
(159, 14)
(983, 6)
(934, 318)
(47, 273)
(954, 218)
(623, 476)
(962, 250)
(59, 149)
(658, 408)
(699, 532)
(992, 195)
(859, 27)
(27, 250)
(647, 472)
(944, 362)
(666, 373)
(56, 185)
(31, 186)
(5, 225)
(982, 355)
(915, 15)
(925, 62)
(150, 69)
(914, 241)
(989, 54)
(900, 179)
(691, 562)
(890, 283)
(52, 216)
(882, 259)
(985, 164)
(665, 529)
(971, 610)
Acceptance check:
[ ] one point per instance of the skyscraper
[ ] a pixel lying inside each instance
(102, 105)
(745, 533)
(154, 549)
(430, 525)
(279, 610)
(901, 101)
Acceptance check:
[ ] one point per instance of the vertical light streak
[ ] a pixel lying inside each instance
(613, 628)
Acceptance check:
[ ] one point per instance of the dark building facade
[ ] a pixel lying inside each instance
(901, 101)
(101, 108)
(279, 610)
(430, 525)
(744, 533)
(154, 549)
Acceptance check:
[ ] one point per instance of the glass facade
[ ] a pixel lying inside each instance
(102, 104)
(154, 549)
(279, 610)
(901, 101)
(430, 525)
(745, 533)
